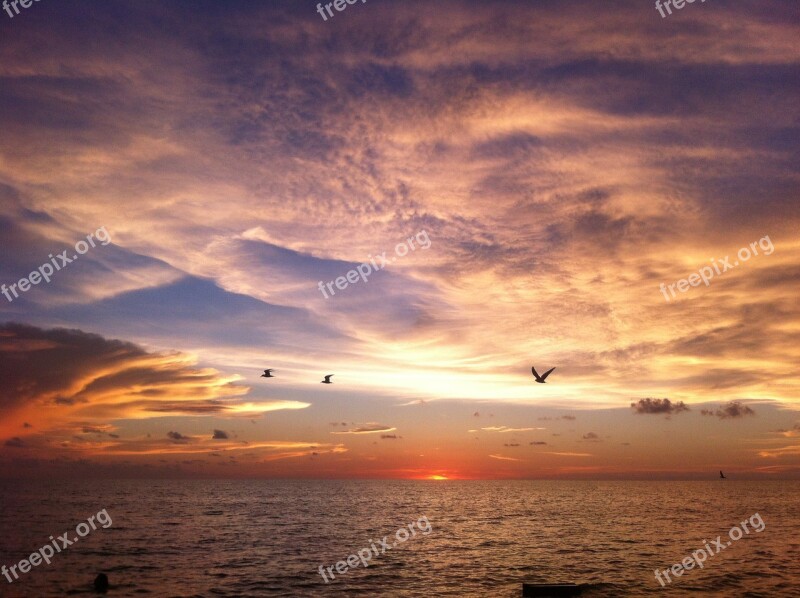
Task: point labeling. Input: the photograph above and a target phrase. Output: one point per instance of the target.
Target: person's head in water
(101, 583)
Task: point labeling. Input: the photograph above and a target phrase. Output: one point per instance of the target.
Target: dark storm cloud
(220, 435)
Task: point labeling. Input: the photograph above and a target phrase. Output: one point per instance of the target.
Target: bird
(541, 379)
(327, 379)
(722, 475)
(267, 374)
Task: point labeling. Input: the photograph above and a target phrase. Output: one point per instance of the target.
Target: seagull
(267, 374)
(541, 379)
(722, 475)
(327, 379)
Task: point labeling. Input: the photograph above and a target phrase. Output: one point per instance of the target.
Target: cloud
(26, 425)
(371, 428)
(505, 109)
(795, 431)
(568, 417)
(591, 436)
(571, 454)
(732, 410)
(501, 458)
(418, 402)
(220, 435)
(269, 450)
(15, 442)
(95, 428)
(537, 443)
(658, 406)
(513, 444)
(506, 429)
(178, 437)
(64, 374)
(780, 452)
(388, 436)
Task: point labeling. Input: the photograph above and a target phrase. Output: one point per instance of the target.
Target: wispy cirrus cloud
(501, 458)
(570, 454)
(371, 428)
(786, 451)
(506, 429)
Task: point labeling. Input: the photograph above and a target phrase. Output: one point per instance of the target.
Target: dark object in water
(101, 583)
(550, 590)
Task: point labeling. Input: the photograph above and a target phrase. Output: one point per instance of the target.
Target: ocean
(484, 538)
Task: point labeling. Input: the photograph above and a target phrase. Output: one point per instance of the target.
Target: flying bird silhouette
(267, 374)
(722, 475)
(541, 379)
(327, 379)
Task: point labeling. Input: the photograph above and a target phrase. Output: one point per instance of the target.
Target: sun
(437, 477)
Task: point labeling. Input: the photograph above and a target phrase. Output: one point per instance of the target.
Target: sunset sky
(562, 158)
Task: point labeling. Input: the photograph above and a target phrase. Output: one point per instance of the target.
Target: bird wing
(547, 373)
(535, 375)
(328, 377)
(267, 371)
